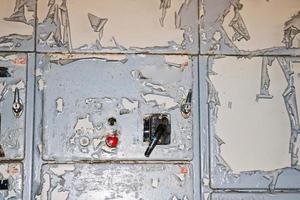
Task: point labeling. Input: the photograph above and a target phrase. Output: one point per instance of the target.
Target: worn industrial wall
(149, 99)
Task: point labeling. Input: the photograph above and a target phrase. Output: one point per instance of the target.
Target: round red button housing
(112, 141)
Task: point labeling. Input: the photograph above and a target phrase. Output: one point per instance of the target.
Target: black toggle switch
(157, 131)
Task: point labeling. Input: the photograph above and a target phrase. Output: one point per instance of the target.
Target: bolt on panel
(17, 25)
(116, 181)
(253, 122)
(13, 69)
(116, 107)
(243, 27)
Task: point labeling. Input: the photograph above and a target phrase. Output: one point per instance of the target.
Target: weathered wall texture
(149, 99)
(250, 139)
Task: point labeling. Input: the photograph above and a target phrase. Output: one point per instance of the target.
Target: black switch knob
(159, 132)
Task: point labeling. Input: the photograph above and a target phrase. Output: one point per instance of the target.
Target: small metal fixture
(17, 106)
(186, 108)
(157, 131)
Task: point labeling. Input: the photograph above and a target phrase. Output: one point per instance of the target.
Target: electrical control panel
(117, 108)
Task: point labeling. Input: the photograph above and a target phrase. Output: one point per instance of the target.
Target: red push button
(112, 141)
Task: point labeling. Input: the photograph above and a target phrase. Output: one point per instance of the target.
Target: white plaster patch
(255, 134)
(177, 61)
(40, 148)
(174, 198)
(155, 182)
(155, 86)
(205, 181)
(181, 177)
(129, 104)
(59, 105)
(62, 169)
(174, 74)
(45, 188)
(56, 194)
(41, 84)
(20, 85)
(84, 124)
(160, 100)
(206, 196)
(38, 72)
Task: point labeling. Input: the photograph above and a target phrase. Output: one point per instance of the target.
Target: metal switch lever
(17, 106)
(159, 132)
(186, 108)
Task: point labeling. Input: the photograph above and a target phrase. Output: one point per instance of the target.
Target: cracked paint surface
(249, 27)
(116, 181)
(17, 22)
(251, 135)
(164, 26)
(273, 115)
(12, 128)
(143, 85)
(13, 173)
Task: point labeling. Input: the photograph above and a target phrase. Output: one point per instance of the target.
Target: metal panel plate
(76, 106)
(12, 173)
(12, 127)
(118, 26)
(117, 181)
(242, 27)
(17, 22)
(253, 103)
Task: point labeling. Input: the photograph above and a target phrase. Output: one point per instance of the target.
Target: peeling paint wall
(133, 116)
(250, 139)
(160, 99)
(121, 181)
(17, 22)
(86, 113)
(111, 26)
(13, 89)
(15, 124)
